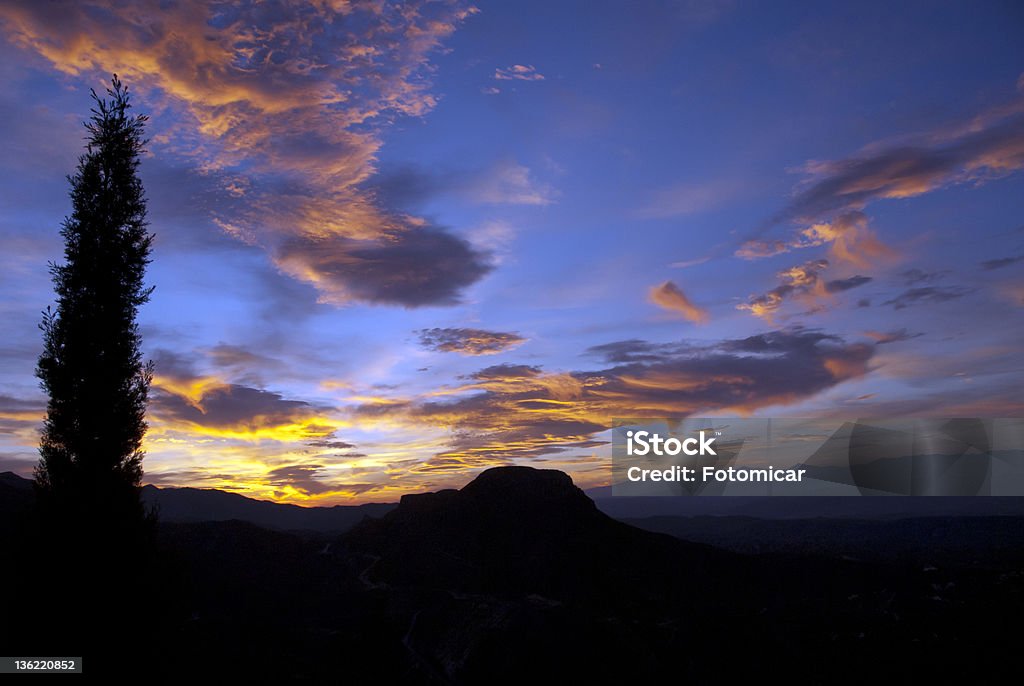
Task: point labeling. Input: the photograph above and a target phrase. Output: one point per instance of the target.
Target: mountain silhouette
(524, 530)
(16, 498)
(193, 505)
(209, 505)
(519, 576)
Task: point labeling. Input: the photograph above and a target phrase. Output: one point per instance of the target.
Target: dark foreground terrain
(518, 577)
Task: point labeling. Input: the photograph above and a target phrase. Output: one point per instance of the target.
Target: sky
(397, 244)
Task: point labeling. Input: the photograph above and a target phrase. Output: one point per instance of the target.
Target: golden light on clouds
(286, 110)
(670, 297)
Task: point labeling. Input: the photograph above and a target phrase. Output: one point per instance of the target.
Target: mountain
(519, 576)
(192, 505)
(523, 530)
(181, 505)
(208, 505)
(16, 498)
(14, 489)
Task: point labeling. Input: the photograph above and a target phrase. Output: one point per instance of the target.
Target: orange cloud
(670, 297)
(469, 341)
(990, 145)
(830, 201)
(849, 239)
(803, 282)
(20, 421)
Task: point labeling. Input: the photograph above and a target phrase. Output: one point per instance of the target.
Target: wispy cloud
(1000, 262)
(992, 145)
(797, 280)
(831, 199)
(840, 285)
(756, 249)
(927, 294)
(683, 264)
(916, 275)
(510, 183)
(469, 341)
(802, 281)
(848, 237)
(518, 72)
(505, 182)
(896, 336)
(669, 296)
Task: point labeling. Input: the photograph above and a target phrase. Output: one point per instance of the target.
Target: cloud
(510, 183)
(927, 294)
(241, 362)
(670, 297)
(1000, 262)
(186, 403)
(849, 240)
(330, 444)
(518, 72)
(831, 199)
(683, 264)
(490, 90)
(506, 371)
(284, 107)
(233, 410)
(505, 183)
(300, 477)
(896, 336)
(848, 237)
(527, 414)
(632, 350)
(802, 281)
(756, 249)
(306, 480)
(469, 341)
(428, 266)
(21, 419)
(991, 146)
(840, 285)
(12, 407)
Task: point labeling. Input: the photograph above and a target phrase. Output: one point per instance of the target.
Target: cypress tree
(91, 367)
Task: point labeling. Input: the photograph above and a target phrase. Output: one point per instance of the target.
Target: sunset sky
(399, 243)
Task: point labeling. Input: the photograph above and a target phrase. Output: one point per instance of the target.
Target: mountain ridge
(188, 504)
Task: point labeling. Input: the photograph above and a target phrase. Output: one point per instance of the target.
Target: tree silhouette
(91, 366)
